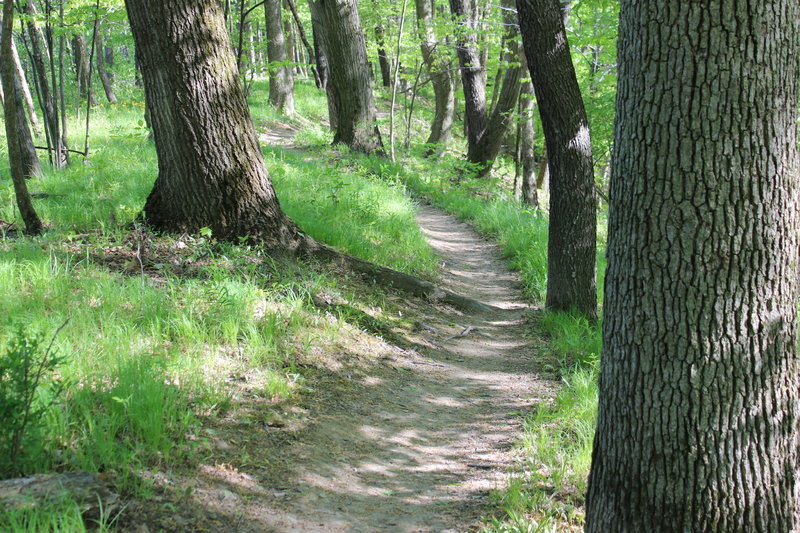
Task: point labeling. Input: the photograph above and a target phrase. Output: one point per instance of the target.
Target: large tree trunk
(281, 79)
(101, 69)
(440, 70)
(350, 78)
(210, 169)
(11, 106)
(700, 382)
(572, 232)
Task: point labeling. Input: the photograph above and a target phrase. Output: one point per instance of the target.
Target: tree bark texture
(281, 78)
(350, 77)
(105, 79)
(440, 69)
(700, 384)
(210, 169)
(11, 106)
(572, 232)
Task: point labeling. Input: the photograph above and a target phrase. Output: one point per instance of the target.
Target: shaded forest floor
(406, 431)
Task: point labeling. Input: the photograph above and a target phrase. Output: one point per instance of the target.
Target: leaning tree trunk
(11, 106)
(440, 70)
(25, 87)
(281, 79)
(572, 233)
(700, 378)
(350, 78)
(101, 69)
(210, 169)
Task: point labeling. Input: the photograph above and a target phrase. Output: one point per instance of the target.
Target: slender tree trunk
(383, 57)
(47, 102)
(527, 154)
(350, 78)
(395, 80)
(210, 169)
(321, 57)
(101, 70)
(281, 79)
(440, 70)
(109, 59)
(700, 379)
(11, 106)
(572, 231)
(26, 90)
(302, 33)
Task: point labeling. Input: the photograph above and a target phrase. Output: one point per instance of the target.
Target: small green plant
(24, 366)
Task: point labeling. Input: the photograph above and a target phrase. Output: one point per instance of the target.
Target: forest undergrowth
(163, 333)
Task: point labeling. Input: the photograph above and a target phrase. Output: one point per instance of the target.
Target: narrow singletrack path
(413, 443)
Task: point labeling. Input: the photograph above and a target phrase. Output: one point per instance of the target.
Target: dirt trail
(418, 443)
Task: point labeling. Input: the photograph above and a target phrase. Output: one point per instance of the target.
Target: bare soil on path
(416, 443)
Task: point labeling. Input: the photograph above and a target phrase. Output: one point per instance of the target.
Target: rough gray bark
(350, 77)
(281, 78)
(210, 169)
(440, 69)
(11, 106)
(700, 382)
(473, 74)
(105, 79)
(572, 230)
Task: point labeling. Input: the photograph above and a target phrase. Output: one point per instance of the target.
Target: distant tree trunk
(11, 106)
(485, 135)
(699, 404)
(210, 169)
(26, 90)
(350, 78)
(383, 57)
(47, 101)
(281, 79)
(572, 233)
(82, 67)
(304, 38)
(321, 57)
(109, 59)
(473, 74)
(530, 194)
(101, 70)
(440, 69)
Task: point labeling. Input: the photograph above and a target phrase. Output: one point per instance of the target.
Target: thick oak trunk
(350, 77)
(572, 232)
(210, 169)
(281, 78)
(440, 69)
(700, 382)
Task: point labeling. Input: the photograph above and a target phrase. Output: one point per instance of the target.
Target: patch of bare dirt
(411, 443)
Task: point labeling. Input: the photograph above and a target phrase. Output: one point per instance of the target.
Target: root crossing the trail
(416, 444)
